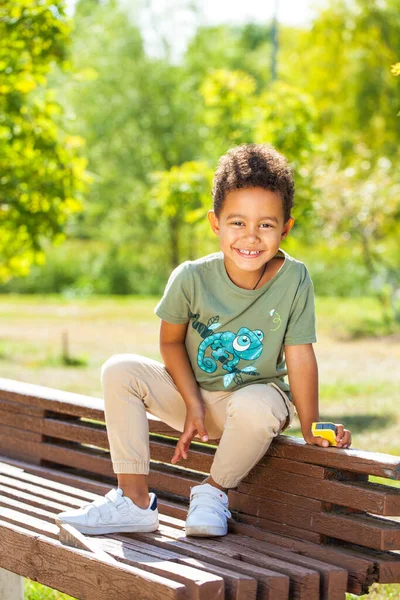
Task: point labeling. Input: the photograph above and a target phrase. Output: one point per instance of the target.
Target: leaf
(228, 379)
(212, 320)
(214, 326)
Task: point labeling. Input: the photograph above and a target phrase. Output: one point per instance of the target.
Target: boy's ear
(287, 227)
(213, 219)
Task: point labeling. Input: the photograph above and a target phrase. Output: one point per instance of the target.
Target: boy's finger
(319, 441)
(201, 430)
(339, 432)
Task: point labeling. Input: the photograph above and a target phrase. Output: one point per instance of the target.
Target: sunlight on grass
(35, 591)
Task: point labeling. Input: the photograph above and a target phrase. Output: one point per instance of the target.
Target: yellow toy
(326, 431)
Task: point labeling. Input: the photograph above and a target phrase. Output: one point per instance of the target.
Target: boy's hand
(194, 424)
(343, 438)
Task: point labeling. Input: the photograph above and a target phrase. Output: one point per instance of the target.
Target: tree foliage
(42, 178)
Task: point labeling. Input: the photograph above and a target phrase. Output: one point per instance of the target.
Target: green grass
(35, 591)
(359, 378)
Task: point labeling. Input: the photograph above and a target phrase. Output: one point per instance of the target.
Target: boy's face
(251, 220)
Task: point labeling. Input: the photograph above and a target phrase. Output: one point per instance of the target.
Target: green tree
(341, 62)
(181, 196)
(235, 112)
(42, 177)
(359, 208)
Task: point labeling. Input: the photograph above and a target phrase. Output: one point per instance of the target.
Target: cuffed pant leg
(254, 415)
(132, 385)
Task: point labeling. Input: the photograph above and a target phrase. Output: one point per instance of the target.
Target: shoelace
(202, 499)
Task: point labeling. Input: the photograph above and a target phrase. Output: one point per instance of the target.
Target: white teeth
(249, 251)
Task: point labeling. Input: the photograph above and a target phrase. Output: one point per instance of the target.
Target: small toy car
(325, 430)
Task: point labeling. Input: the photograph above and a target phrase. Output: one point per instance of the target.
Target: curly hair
(250, 166)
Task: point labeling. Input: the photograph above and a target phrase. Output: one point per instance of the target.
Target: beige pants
(245, 420)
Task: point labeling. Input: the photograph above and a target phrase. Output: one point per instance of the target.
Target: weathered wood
(362, 570)
(70, 536)
(358, 461)
(275, 509)
(199, 585)
(278, 527)
(368, 497)
(304, 583)
(333, 578)
(25, 409)
(271, 585)
(237, 585)
(365, 530)
(78, 573)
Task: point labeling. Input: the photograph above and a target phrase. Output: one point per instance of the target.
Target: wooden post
(11, 586)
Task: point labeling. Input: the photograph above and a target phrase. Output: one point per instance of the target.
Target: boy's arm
(176, 361)
(303, 379)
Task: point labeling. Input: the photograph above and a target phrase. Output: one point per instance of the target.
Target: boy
(233, 324)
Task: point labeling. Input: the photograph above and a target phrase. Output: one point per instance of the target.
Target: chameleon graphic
(206, 332)
(233, 347)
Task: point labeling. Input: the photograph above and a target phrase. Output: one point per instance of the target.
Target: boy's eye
(237, 223)
(265, 225)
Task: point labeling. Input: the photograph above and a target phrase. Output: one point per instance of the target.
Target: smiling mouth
(249, 253)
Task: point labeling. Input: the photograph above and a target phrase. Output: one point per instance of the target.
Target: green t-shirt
(236, 337)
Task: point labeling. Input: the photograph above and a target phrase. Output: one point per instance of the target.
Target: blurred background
(113, 114)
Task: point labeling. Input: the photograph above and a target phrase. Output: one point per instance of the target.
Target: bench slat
(237, 585)
(368, 497)
(304, 582)
(271, 585)
(365, 530)
(74, 572)
(364, 568)
(358, 461)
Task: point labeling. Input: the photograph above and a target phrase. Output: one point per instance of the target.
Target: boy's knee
(257, 413)
(117, 367)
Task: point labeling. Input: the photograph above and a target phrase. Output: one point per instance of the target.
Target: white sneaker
(208, 512)
(111, 514)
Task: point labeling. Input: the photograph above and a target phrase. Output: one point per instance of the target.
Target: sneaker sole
(105, 530)
(205, 531)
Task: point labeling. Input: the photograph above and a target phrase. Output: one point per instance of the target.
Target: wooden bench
(307, 523)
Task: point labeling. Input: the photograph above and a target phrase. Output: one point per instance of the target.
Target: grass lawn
(359, 378)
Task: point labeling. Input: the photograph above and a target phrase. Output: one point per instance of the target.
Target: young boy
(233, 325)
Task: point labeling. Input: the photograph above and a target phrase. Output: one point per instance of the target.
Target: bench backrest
(308, 493)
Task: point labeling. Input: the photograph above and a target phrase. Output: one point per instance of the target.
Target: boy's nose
(252, 237)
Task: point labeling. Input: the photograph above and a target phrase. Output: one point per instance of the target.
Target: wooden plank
(199, 585)
(26, 473)
(367, 497)
(38, 501)
(25, 409)
(361, 570)
(13, 448)
(51, 399)
(387, 564)
(304, 582)
(364, 530)
(270, 585)
(27, 509)
(237, 585)
(275, 508)
(277, 527)
(274, 496)
(10, 482)
(77, 572)
(69, 536)
(358, 461)
(20, 435)
(333, 578)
